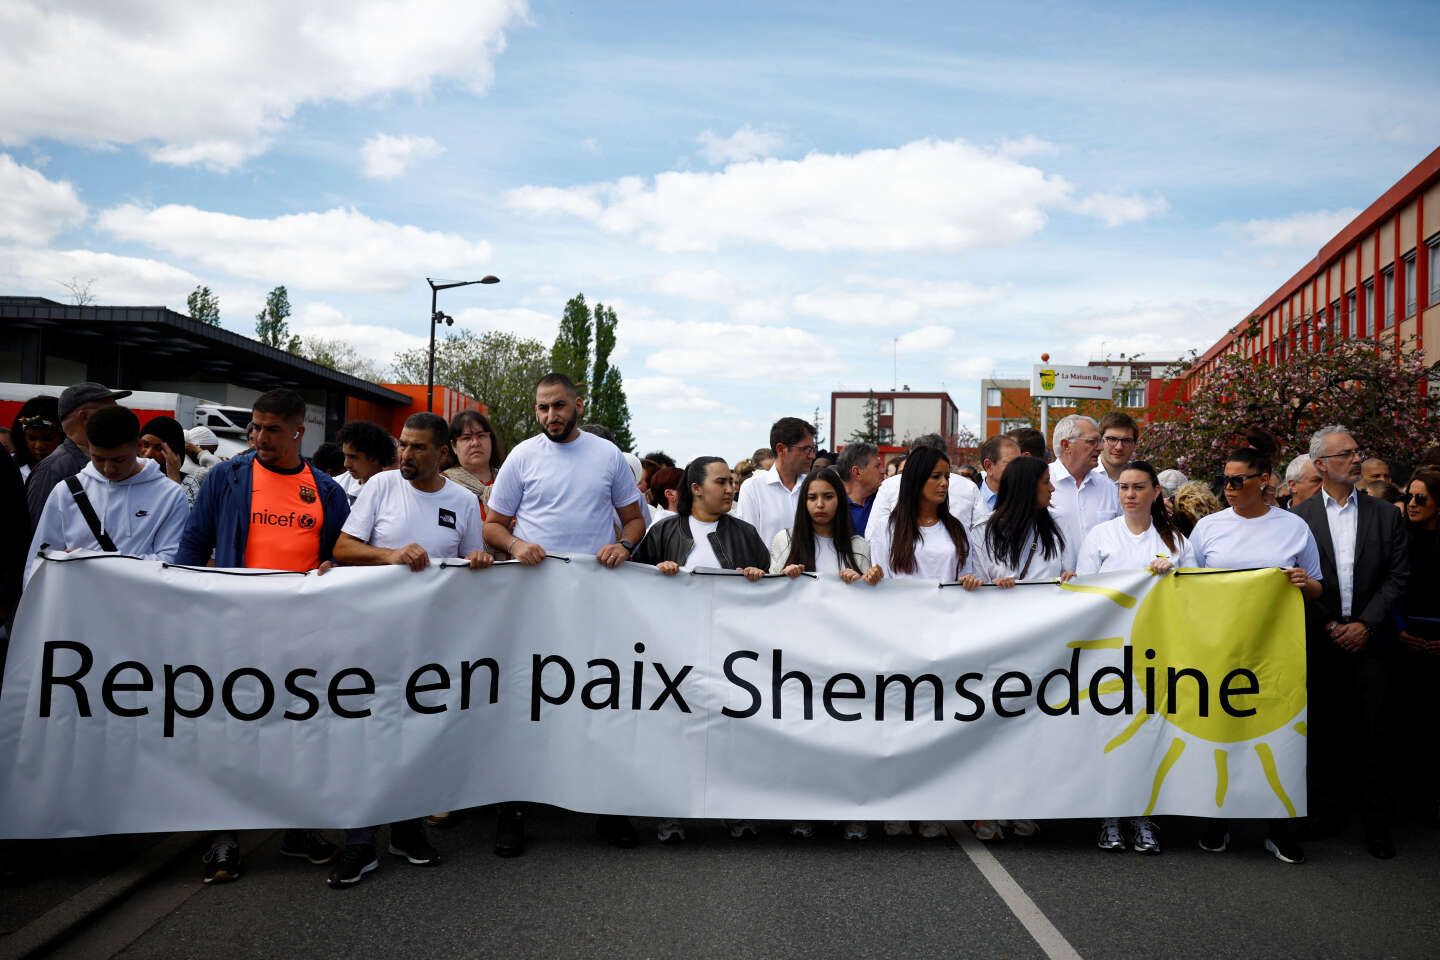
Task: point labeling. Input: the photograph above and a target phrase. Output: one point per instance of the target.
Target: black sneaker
(222, 863)
(355, 861)
(1215, 838)
(409, 841)
(308, 845)
(617, 831)
(509, 831)
(1284, 848)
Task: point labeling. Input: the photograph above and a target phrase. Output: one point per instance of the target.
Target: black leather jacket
(735, 542)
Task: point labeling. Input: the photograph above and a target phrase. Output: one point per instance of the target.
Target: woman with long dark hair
(1418, 659)
(1021, 539)
(922, 538)
(1141, 538)
(822, 540)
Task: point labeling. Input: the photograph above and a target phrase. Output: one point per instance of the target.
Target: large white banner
(141, 698)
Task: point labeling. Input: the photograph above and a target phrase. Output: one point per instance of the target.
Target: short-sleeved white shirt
(563, 496)
(1111, 546)
(391, 513)
(1276, 538)
(703, 553)
(960, 495)
(934, 555)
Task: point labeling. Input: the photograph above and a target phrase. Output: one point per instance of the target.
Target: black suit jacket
(1382, 567)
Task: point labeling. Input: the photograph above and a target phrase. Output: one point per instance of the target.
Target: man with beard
(407, 517)
(562, 492)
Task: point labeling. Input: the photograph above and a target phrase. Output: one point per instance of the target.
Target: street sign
(1078, 383)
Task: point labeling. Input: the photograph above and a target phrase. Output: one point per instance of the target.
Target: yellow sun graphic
(1201, 628)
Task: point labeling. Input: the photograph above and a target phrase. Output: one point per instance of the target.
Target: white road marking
(1051, 940)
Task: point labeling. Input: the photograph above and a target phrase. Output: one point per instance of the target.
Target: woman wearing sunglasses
(1253, 534)
(1141, 538)
(1419, 658)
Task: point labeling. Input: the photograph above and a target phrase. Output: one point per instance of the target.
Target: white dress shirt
(984, 503)
(1084, 506)
(766, 505)
(1342, 518)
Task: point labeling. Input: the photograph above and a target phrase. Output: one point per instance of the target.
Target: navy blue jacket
(220, 519)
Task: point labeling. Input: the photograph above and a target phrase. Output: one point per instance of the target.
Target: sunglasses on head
(1419, 499)
(1238, 481)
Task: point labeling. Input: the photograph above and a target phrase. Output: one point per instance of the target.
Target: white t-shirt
(961, 496)
(390, 513)
(1276, 538)
(990, 568)
(934, 554)
(563, 496)
(1111, 546)
(350, 485)
(703, 555)
(657, 514)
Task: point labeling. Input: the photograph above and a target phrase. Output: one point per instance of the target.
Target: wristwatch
(629, 547)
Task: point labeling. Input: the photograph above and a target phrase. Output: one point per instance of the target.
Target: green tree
(339, 355)
(1373, 389)
(204, 306)
(498, 369)
(607, 403)
(570, 354)
(869, 430)
(272, 323)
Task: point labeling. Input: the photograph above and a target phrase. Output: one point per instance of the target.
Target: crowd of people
(1361, 550)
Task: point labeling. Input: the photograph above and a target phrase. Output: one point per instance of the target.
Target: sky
(779, 200)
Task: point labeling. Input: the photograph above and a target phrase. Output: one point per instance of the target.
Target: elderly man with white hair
(1303, 478)
(1084, 497)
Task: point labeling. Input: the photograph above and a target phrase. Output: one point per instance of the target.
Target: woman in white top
(1021, 539)
(822, 522)
(1141, 538)
(924, 540)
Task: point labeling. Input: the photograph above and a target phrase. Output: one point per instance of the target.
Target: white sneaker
(1110, 836)
(988, 830)
(897, 828)
(1024, 828)
(742, 829)
(1146, 836)
(670, 831)
(932, 829)
(802, 830)
(857, 830)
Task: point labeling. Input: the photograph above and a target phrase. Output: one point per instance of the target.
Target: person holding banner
(562, 491)
(921, 538)
(1251, 534)
(702, 533)
(1142, 537)
(822, 540)
(407, 517)
(267, 509)
(961, 496)
(1023, 539)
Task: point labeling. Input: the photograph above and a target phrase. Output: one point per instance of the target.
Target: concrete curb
(60, 921)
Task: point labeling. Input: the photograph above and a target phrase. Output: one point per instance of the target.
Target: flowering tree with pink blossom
(1376, 390)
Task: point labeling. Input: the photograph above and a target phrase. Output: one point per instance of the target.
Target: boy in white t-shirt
(407, 516)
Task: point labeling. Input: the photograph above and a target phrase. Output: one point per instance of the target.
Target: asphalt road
(573, 896)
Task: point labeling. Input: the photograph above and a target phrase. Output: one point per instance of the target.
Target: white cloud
(339, 249)
(212, 82)
(670, 394)
(386, 157)
(925, 339)
(521, 321)
(33, 208)
(729, 351)
(1026, 146)
(1116, 209)
(759, 311)
(1310, 230)
(744, 144)
(124, 281)
(709, 285)
(968, 368)
(925, 195)
(375, 343)
(857, 308)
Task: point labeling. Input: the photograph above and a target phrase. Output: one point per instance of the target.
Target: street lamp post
(436, 318)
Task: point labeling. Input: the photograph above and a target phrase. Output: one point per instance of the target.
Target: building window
(1434, 270)
(1412, 280)
(887, 435)
(1350, 311)
(1368, 323)
(887, 407)
(1007, 425)
(992, 397)
(1130, 397)
(1388, 310)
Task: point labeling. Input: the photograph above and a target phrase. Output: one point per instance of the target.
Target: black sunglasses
(1419, 499)
(1238, 481)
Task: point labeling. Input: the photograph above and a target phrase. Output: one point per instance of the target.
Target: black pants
(1351, 758)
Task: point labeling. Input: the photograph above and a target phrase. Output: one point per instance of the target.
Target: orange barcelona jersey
(286, 517)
